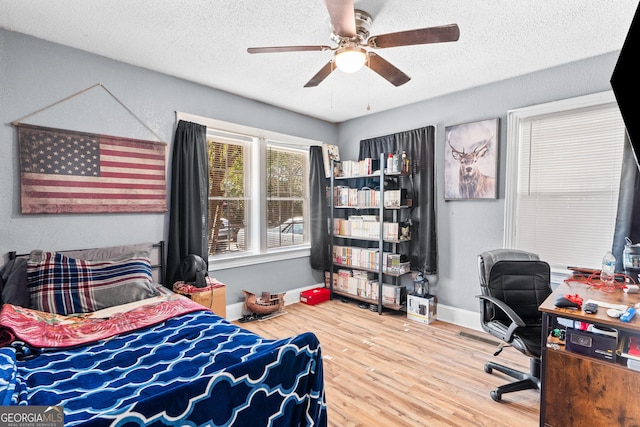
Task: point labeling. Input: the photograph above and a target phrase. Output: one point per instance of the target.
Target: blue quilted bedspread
(196, 369)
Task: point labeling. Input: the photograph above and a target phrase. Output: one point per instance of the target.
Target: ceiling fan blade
(342, 17)
(443, 33)
(386, 70)
(320, 75)
(276, 49)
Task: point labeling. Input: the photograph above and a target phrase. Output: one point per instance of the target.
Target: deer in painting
(472, 183)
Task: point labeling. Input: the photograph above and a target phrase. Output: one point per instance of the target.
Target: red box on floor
(315, 296)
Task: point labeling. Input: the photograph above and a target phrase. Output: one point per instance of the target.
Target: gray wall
(467, 228)
(35, 74)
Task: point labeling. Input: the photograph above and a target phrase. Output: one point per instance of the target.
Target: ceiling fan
(351, 33)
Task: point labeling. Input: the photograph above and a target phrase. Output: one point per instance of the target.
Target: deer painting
(472, 183)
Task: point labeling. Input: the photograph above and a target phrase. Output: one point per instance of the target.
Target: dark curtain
(320, 259)
(189, 194)
(628, 216)
(419, 145)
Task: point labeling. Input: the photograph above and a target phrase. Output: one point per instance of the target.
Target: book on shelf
(345, 196)
(356, 168)
(395, 198)
(362, 284)
(367, 226)
(329, 152)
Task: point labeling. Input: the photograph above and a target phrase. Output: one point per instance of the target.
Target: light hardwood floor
(385, 370)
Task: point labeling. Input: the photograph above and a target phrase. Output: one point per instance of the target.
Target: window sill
(252, 259)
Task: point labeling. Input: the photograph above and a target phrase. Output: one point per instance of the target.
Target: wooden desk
(578, 390)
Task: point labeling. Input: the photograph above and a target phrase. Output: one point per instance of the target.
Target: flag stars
(52, 153)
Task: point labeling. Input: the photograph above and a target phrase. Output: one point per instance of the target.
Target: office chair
(514, 284)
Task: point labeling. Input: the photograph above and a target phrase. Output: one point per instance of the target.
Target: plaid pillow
(64, 285)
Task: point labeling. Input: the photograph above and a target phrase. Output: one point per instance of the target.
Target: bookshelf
(368, 225)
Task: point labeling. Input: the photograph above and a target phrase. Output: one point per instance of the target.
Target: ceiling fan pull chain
(368, 85)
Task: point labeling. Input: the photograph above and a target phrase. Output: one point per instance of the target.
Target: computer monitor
(625, 82)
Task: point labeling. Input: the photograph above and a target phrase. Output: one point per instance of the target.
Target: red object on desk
(315, 296)
(575, 298)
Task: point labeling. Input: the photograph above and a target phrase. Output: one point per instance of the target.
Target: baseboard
(449, 314)
(459, 317)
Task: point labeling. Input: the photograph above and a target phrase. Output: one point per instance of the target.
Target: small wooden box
(213, 297)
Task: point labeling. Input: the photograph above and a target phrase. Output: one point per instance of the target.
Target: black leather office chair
(514, 284)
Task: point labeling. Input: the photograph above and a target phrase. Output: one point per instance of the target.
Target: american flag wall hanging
(63, 171)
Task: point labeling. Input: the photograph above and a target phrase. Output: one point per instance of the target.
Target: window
(563, 174)
(287, 198)
(258, 194)
(229, 207)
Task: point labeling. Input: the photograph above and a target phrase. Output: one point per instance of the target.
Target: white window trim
(233, 261)
(247, 130)
(514, 118)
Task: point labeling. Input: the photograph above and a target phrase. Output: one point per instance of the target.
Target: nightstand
(213, 296)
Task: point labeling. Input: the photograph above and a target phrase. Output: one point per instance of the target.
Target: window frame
(257, 178)
(514, 119)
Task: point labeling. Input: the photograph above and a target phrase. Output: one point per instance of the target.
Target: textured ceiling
(205, 41)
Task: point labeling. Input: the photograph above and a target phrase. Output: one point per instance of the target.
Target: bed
(154, 358)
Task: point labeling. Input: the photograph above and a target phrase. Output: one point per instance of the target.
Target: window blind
(229, 207)
(568, 182)
(287, 195)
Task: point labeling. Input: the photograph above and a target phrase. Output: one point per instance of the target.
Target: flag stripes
(74, 172)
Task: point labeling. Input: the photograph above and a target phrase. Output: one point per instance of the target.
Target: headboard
(157, 256)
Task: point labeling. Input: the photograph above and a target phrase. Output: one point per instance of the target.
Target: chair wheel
(496, 395)
(488, 369)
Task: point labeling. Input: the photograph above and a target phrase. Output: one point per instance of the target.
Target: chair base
(526, 381)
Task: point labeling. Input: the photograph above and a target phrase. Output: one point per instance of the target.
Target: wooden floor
(385, 370)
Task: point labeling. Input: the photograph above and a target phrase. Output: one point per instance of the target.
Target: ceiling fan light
(350, 59)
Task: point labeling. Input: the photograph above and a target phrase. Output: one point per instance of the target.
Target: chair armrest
(516, 321)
